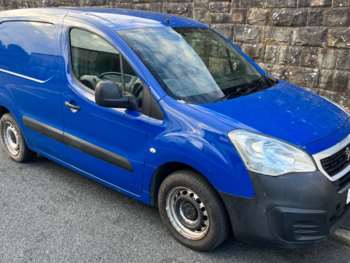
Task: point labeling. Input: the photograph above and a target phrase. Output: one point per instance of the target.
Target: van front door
(107, 144)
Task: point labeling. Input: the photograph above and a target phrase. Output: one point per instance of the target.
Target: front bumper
(289, 211)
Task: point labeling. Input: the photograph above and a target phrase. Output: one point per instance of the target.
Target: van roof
(112, 17)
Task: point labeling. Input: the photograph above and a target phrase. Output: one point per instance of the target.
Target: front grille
(337, 162)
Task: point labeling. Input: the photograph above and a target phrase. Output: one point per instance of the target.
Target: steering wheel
(134, 86)
(104, 74)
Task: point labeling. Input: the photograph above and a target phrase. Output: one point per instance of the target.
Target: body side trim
(78, 143)
(23, 76)
(44, 129)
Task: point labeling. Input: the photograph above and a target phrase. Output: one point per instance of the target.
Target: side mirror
(108, 94)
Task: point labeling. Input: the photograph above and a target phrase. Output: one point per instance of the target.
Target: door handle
(71, 106)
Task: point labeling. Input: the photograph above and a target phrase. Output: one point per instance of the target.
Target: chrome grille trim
(329, 152)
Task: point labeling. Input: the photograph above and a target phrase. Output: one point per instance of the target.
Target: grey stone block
(340, 81)
(271, 54)
(220, 7)
(239, 15)
(252, 3)
(220, 18)
(281, 3)
(185, 9)
(289, 17)
(304, 3)
(311, 57)
(329, 58)
(290, 55)
(248, 34)
(343, 60)
(337, 17)
(310, 36)
(258, 16)
(339, 37)
(202, 15)
(316, 16)
(326, 79)
(305, 77)
(278, 35)
(341, 3)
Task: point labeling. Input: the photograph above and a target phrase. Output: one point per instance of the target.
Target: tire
(13, 140)
(187, 202)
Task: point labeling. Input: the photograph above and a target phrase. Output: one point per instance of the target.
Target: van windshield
(195, 65)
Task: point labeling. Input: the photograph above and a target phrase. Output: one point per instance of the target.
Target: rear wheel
(13, 141)
(192, 211)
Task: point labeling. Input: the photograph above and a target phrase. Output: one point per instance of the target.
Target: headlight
(269, 156)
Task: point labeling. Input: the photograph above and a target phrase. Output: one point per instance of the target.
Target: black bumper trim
(288, 211)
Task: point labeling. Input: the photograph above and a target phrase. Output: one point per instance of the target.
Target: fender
(218, 163)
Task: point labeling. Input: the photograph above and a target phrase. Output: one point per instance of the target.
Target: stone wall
(304, 41)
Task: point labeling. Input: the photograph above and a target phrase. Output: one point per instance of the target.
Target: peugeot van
(171, 113)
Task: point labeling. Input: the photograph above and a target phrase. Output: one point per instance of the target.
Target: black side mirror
(108, 94)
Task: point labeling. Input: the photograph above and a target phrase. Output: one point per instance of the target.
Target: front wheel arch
(165, 170)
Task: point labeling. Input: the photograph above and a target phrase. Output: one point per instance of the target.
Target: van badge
(347, 153)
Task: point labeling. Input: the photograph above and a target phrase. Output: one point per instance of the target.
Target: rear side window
(29, 48)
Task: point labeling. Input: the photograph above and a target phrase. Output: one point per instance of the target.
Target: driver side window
(94, 59)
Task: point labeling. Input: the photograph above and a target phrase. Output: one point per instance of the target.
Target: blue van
(171, 113)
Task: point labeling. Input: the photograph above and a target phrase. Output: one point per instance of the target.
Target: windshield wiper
(250, 87)
(239, 91)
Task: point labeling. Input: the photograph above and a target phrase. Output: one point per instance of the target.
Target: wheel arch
(161, 173)
(3, 110)
(167, 169)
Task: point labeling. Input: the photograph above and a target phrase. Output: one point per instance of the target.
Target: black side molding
(78, 143)
(43, 129)
(97, 151)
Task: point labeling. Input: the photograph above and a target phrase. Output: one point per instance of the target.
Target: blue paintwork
(285, 112)
(38, 93)
(195, 135)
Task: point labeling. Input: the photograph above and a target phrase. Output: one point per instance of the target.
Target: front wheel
(192, 211)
